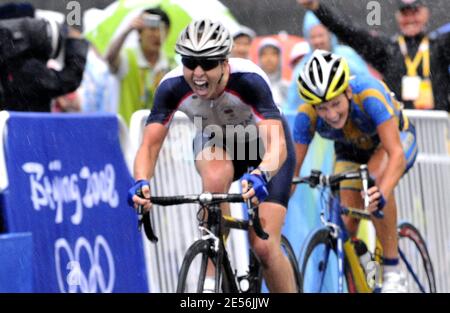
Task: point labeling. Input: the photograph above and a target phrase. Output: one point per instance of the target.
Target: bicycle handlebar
(204, 199)
(318, 179)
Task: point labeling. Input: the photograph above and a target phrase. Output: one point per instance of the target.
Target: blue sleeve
(303, 129)
(377, 102)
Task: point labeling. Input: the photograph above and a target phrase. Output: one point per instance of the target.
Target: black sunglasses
(205, 64)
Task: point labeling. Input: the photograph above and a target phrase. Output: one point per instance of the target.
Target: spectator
(299, 50)
(414, 64)
(242, 41)
(27, 84)
(99, 90)
(319, 37)
(270, 60)
(140, 69)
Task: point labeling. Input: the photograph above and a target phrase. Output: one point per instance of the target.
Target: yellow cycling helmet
(323, 77)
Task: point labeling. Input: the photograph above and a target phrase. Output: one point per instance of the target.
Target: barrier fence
(422, 197)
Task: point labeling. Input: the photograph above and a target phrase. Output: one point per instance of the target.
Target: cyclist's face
(412, 21)
(335, 112)
(207, 83)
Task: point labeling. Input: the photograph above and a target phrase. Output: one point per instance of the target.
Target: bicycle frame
(216, 222)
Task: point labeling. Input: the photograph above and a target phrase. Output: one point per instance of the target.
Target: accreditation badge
(425, 99)
(410, 87)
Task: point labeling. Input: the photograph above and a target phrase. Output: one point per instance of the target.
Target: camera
(30, 37)
(151, 20)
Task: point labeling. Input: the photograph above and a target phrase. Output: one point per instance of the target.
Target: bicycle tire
(419, 270)
(292, 260)
(202, 248)
(314, 260)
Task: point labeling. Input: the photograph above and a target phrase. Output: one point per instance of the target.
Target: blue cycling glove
(136, 190)
(259, 184)
(381, 203)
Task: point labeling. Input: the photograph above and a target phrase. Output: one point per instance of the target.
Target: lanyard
(423, 54)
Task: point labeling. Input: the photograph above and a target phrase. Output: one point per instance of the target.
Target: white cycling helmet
(323, 77)
(204, 39)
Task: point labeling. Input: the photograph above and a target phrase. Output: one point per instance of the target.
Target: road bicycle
(212, 245)
(329, 258)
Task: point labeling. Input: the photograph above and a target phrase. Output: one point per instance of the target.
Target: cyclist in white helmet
(223, 94)
(367, 125)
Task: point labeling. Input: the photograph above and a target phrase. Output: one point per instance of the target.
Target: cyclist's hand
(258, 191)
(309, 4)
(376, 200)
(139, 194)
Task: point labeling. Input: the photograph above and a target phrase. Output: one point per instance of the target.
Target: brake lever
(144, 219)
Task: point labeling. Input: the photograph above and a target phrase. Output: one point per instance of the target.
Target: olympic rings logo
(94, 279)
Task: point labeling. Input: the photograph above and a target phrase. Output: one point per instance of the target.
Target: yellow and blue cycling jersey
(372, 104)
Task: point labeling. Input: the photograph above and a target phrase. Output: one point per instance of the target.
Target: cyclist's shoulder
(306, 114)
(243, 71)
(363, 82)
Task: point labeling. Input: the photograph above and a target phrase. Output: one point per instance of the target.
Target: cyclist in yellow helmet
(366, 123)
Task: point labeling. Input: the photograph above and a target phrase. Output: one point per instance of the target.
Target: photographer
(140, 68)
(26, 44)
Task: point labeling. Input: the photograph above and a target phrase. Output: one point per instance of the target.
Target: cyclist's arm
(390, 141)
(145, 162)
(272, 134)
(300, 153)
(303, 133)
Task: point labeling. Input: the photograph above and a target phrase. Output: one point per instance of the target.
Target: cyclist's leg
(277, 270)
(387, 227)
(349, 194)
(216, 170)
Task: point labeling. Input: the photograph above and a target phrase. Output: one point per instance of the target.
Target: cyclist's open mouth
(201, 87)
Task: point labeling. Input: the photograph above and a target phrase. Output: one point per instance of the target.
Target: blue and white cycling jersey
(246, 100)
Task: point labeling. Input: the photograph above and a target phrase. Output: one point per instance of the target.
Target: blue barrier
(67, 186)
(16, 271)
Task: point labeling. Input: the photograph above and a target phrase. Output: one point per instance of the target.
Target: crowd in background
(415, 63)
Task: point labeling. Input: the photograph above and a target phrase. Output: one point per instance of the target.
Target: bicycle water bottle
(364, 255)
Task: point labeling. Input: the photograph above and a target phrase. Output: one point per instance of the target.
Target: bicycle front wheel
(318, 261)
(191, 278)
(415, 260)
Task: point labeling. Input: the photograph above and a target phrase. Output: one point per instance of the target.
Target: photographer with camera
(140, 68)
(26, 44)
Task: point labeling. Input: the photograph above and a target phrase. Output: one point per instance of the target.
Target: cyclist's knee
(217, 179)
(266, 250)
